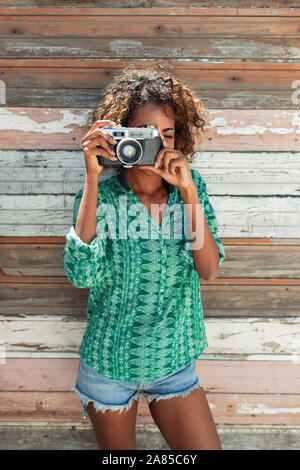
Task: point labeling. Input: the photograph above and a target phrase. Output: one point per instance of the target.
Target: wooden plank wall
(243, 63)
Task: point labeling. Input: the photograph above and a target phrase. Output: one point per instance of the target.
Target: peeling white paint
(227, 127)
(248, 408)
(218, 121)
(124, 44)
(252, 130)
(296, 121)
(273, 357)
(295, 359)
(65, 124)
(58, 333)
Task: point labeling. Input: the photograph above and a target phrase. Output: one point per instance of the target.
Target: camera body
(135, 146)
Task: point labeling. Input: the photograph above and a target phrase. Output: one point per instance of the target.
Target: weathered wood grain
(34, 191)
(146, 25)
(77, 436)
(226, 130)
(225, 173)
(226, 408)
(46, 35)
(274, 262)
(218, 376)
(79, 83)
(156, 7)
(112, 66)
(287, 358)
(265, 241)
(223, 299)
(258, 48)
(222, 98)
(51, 215)
(55, 333)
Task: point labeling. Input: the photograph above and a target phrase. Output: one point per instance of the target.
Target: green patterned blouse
(144, 312)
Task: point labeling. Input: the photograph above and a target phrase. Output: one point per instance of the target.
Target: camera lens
(129, 151)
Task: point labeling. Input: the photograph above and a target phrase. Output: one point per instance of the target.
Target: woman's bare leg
(186, 422)
(114, 430)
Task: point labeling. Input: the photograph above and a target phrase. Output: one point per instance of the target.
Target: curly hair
(134, 87)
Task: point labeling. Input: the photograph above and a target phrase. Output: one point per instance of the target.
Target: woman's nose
(162, 136)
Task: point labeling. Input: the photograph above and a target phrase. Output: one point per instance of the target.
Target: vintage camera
(135, 146)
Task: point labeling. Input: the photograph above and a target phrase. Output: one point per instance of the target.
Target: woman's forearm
(206, 258)
(86, 221)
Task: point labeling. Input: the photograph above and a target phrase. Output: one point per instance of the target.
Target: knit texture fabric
(144, 312)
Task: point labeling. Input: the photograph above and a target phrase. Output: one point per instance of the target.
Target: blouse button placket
(162, 282)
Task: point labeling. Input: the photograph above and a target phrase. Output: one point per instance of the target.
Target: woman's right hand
(90, 141)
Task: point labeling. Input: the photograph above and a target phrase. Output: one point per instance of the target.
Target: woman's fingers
(97, 133)
(177, 163)
(89, 144)
(164, 157)
(93, 152)
(161, 155)
(101, 123)
(166, 161)
(101, 141)
(96, 127)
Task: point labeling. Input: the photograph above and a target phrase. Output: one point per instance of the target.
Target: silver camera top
(148, 132)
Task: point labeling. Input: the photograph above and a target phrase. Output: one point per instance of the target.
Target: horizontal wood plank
(54, 333)
(80, 83)
(78, 436)
(219, 299)
(211, 98)
(218, 376)
(226, 408)
(240, 241)
(226, 130)
(40, 354)
(225, 173)
(248, 216)
(153, 7)
(177, 66)
(273, 262)
(49, 26)
(256, 48)
(102, 26)
(224, 281)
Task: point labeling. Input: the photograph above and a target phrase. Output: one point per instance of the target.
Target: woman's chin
(145, 170)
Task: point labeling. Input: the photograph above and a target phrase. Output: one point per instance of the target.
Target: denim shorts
(109, 394)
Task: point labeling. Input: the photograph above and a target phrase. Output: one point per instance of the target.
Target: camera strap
(122, 178)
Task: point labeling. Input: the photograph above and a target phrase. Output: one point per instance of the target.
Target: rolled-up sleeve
(209, 213)
(84, 263)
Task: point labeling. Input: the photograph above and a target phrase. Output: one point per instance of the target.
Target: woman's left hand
(172, 166)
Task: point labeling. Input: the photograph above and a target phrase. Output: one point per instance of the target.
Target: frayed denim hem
(100, 406)
(149, 397)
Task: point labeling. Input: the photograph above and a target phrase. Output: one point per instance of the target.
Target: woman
(145, 323)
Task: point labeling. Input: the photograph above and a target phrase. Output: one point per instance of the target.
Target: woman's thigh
(111, 406)
(180, 409)
(186, 422)
(114, 430)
